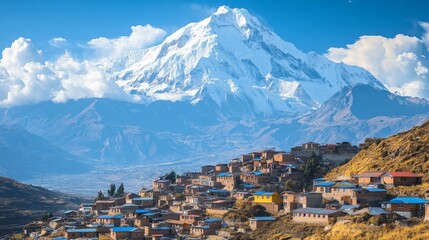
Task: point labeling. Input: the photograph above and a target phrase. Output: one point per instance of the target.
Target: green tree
(100, 196)
(311, 166)
(111, 191)
(171, 176)
(120, 191)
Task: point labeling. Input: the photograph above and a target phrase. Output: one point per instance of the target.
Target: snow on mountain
(231, 54)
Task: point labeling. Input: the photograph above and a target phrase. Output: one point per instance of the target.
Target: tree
(120, 191)
(171, 176)
(46, 217)
(310, 166)
(100, 196)
(112, 190)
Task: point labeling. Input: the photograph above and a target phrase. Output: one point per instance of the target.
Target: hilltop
(21, 203)
(406, 151)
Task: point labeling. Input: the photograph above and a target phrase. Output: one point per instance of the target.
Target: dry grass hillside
(407, 151)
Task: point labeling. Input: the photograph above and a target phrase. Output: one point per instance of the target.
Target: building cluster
(193, 204)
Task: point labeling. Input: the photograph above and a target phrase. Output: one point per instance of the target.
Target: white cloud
(397, 62)
(141, 37)
(58, 42)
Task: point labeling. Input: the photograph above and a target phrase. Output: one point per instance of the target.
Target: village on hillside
(251, 192)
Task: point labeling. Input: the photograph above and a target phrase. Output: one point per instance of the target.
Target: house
(206, 169)
(368, 178)
(258, 222)
(284, 158)
(270, 200)
(218, 192)
(103, 205)
(181, 227)
(323, 186)
(234, 166)
(157, 231)
(221, 167)
(406, 206)
(123, 209)
(201, 231)
(114, 220)
(145, 202)
(81, 233)
(228, 180)
(341, 191)
(293, 200)
(161, 185)
(256, 178)
(369, 196)
(126, 233)
(215, 223)
(401, 179)
(319, 216)
(241, 195)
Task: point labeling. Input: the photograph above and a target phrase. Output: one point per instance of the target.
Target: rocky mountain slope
(406, 151)
(21, 203)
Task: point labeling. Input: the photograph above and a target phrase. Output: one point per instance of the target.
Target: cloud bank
(27, 77)
(399, 63)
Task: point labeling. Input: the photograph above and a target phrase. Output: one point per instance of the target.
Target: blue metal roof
(212, 219)
(224, 175)
(142, 199)
(82, 230)
(124, 229)
(263, 218)
(349, 206)
(140, 211)
(263, 193)
(161, 228)
(257, 173)
(319, 179)
(323, 211)
(218, 191)
(407, 200)
(109, 217)
(375, 189)
(324, 184)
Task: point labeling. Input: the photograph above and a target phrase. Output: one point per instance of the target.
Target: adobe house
(108, 219)
(201, 231)
(145, 202)
(284, 158)
(241, 195)
(234, 166)
(323, 186)
(126, 233)
(157, 231)
(103, 205)
(319, 216)
(293, 200)
(406, 206)
(161, 185)
(81, 233)
(369, 196)
(258, 222)
(228, 180)
(218, 192)
(401, 179)
(221, 167)
(123, 209)
(181, 227)
(368, 178)
(256, 178)
(215, 223)
(206, 169)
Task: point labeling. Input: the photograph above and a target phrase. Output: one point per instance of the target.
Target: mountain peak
(233, 16)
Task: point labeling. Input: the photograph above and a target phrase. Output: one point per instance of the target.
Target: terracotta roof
(403, 174)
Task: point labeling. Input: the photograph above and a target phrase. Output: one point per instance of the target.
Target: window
(400, 205)
(304, 214)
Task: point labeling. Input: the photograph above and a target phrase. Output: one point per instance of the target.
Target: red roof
(403, 174)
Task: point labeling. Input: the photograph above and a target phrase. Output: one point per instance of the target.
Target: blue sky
(55, 50)
(310, 25)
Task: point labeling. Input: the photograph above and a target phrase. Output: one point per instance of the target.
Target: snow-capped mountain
(231, 55)
(210, 91)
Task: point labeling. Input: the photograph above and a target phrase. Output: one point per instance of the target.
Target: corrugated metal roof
(407, 200)
(269, 218)
(124, 229)
(82, 230)
(316, 211)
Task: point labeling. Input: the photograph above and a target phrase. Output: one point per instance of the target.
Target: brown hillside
(407, 151)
